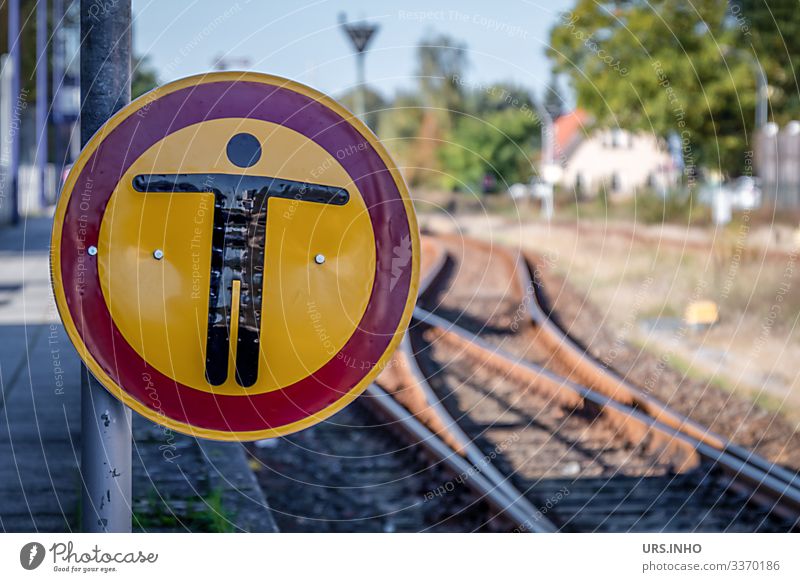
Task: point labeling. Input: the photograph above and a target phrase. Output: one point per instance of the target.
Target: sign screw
(158, 254)
(92, 250)
(319, 259)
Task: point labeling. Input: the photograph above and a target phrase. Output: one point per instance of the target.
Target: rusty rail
(768, 483)
(468, 461)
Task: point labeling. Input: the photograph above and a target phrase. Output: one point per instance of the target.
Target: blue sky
(302, 40)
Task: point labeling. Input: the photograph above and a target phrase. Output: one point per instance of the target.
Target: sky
(303, 41)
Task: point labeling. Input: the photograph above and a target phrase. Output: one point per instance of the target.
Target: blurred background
(650, 150)
(678, 120)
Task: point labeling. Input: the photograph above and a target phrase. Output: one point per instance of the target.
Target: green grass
(203, 514)
(685, 367)
(647, 206)
(766, 401)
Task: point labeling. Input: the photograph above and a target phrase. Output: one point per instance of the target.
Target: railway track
(442, 437)
(633, 458)
(539, 450)
(350, 473)
(353, 473)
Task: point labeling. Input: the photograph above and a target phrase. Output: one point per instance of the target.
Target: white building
(615, 159)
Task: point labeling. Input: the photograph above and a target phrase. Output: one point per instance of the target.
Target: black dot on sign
(243, 150)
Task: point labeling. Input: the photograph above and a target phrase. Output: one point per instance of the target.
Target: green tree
(373, 102)
(496, 135)
(144, 76)
(400, 125)
(663, 67)
(770, 31)
(442, 62)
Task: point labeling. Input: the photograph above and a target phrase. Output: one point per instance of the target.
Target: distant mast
(360, 35)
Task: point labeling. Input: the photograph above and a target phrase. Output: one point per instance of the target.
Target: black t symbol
(237, 248)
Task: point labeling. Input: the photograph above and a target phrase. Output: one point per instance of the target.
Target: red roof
(569, 129)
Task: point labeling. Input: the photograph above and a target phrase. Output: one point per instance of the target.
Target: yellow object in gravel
(701, 313)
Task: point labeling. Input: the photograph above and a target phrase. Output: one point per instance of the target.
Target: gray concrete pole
(16, 111)
(361, 97)
(105, 421)
(57, 80)
(762, 95)
(42, 108)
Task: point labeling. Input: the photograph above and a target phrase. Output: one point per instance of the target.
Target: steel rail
(480, 475)
(618, 385)
(765, 483)
(769, 483)
(458, 465)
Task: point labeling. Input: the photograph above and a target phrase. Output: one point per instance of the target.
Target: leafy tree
(374, 103)
(663, 67)
(429, 114)
(495, 136)
(143, 77)
(399, 127)
(770, 31)
(442, 62)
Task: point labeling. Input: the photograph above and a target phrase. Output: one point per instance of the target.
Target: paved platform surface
(179, 483)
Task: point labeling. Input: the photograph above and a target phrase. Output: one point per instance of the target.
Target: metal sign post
(105, 421)
(360, 35)
(41, 100)
(13, 154)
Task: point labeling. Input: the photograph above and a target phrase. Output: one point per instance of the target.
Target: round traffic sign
(235, 256)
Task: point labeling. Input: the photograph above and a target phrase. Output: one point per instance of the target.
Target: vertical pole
(57, 80)
(41, 99)
(16, 113)
(548, 159)
(105, 421)
(762, 93)
(361, 101)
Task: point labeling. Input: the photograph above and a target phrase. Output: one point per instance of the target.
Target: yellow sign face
(235, 256)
